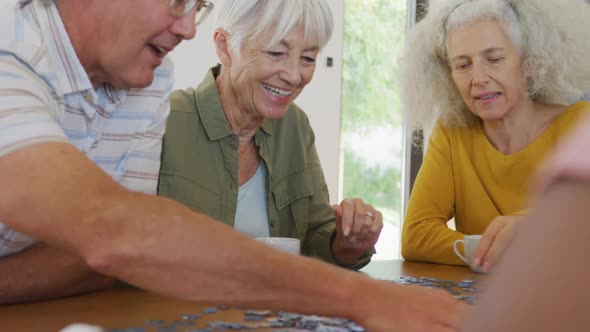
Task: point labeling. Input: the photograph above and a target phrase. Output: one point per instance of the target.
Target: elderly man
(64, 85)
(83, 102)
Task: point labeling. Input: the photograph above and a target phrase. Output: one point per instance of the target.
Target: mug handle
(457, 251)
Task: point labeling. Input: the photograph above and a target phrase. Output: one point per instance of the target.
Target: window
(372, 122)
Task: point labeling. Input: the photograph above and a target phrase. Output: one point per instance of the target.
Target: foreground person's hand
(411, 309)
(494, 241)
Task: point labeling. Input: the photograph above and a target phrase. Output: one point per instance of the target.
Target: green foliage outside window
(374, 32)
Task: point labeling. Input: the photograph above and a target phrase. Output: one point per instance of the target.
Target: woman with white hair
(495, 78)
(238, 149)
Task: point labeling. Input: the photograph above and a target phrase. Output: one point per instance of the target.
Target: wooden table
(126, 307)
(397, 268)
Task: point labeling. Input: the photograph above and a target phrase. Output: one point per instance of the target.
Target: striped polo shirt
(46, 96)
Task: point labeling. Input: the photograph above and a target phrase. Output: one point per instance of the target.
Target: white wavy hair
(247, 20)
(551, 35)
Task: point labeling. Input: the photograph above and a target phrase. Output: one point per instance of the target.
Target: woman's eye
(274, 54)
(462, 66)
(308, 59)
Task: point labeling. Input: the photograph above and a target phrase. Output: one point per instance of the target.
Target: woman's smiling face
(267, 79)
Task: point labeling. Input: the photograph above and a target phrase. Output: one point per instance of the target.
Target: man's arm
(152, 242)
(541, 283)
(53, 193)
(41, 272)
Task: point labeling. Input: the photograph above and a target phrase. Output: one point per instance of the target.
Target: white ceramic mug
(470, 243)
(286, 244)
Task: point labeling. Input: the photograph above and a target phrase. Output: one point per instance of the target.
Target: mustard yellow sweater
(465, 177)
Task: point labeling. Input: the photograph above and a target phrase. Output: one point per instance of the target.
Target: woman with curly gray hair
(496, 79)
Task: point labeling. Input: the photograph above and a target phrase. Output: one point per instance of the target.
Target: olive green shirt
(200, 168)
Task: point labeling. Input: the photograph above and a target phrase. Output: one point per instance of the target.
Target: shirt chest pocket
(292, 201)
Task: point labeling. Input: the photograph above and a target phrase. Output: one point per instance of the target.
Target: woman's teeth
(488, 96)
(275, 91)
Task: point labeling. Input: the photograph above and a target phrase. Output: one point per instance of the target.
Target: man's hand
(358, 226)
(413, 309)
(495, 240)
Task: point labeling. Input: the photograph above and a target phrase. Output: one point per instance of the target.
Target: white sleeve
(27, 108)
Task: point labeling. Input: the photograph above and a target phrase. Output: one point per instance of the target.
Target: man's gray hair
(551, 35)
(246, 21)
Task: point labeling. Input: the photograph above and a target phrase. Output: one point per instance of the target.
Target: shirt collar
(71, 76)
(211, 111)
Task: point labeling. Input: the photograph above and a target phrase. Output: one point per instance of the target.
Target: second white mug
(470, 243)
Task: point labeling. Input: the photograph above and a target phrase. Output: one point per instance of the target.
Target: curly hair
(551, 35)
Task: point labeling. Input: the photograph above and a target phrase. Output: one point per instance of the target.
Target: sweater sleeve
(425, 235)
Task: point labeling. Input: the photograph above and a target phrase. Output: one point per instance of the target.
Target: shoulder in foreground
(182, 100)
(570, 116)
(575, 111)
(581, 106)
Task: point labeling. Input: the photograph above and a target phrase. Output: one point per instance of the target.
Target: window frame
(412, 153)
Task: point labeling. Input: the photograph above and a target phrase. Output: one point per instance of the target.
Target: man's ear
(220, 38)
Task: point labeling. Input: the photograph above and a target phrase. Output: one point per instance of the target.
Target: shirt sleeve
(425, 235)
(27, 108)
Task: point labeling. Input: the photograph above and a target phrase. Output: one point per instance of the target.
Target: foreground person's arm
(540, 284)
(157, 244)
(41, 272)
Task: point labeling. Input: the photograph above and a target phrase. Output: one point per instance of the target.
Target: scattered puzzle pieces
(464, 290)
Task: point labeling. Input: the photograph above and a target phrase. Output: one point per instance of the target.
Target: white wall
(321, 99)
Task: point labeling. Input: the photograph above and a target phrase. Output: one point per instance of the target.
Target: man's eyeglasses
(183, 7)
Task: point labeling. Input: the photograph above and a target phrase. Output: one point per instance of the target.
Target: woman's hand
(495, 240)
(358, 226)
